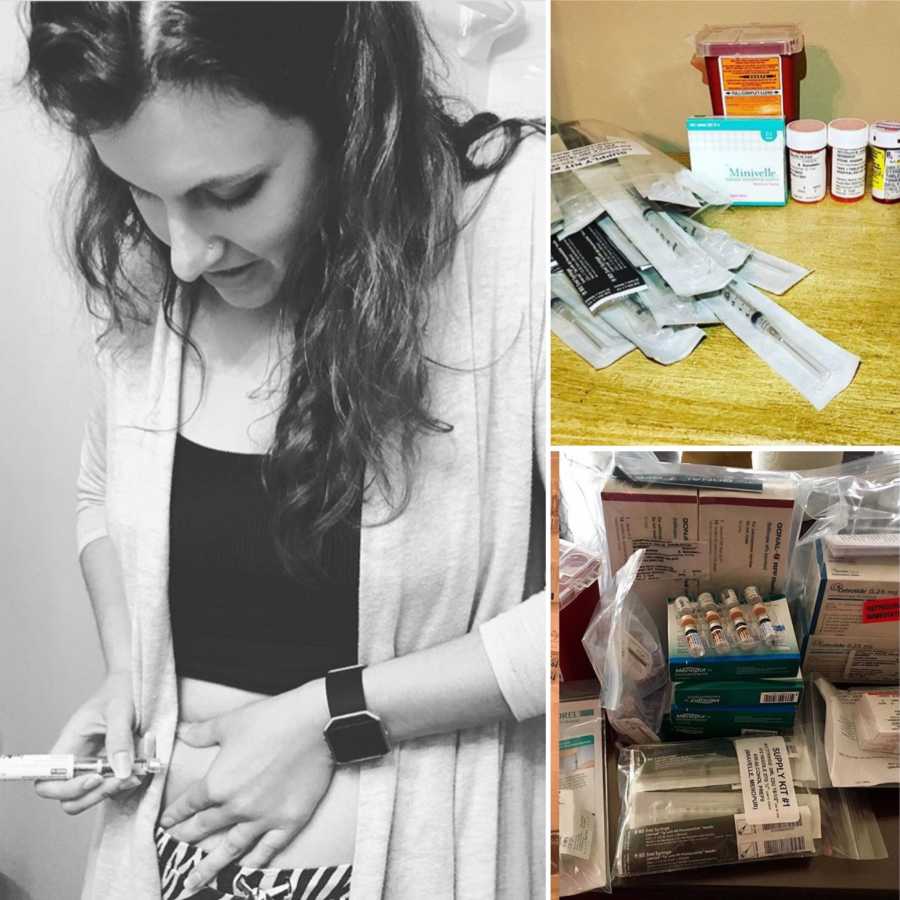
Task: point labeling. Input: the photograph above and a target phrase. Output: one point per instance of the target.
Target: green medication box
(758, 640)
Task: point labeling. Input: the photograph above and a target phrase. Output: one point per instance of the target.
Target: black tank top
(238, 618)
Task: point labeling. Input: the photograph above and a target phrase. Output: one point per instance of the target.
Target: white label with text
(766, 780)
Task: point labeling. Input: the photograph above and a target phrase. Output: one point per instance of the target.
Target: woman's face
(228, 185)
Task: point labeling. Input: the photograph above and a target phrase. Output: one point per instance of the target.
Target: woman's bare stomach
(327, 839)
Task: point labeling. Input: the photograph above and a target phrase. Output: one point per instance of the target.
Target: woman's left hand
(267, 780)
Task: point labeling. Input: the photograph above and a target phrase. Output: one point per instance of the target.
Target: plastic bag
(582, 474)
(578, 570)
(861, 497)
(583, 833)
(624, 647)
(678, 809)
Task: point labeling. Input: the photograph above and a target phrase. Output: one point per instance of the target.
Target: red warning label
(882, 609)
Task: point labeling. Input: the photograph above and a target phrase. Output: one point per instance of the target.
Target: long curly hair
(397, 159)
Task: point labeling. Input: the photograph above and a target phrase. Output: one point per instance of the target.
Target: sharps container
(752, 70)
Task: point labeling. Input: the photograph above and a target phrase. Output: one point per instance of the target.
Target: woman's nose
(192, 250)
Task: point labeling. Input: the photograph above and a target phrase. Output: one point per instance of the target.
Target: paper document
(849, 765)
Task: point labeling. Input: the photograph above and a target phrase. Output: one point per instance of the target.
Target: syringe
(761, 323)
(561, 307)
(62, 766)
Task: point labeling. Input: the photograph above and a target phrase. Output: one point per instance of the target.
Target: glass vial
(806, 141)
(884, 138)
(848, 139)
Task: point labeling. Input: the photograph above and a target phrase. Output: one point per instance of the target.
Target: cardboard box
(761, 662)
(734, 721)
(702, 539)
(743, 157)
(854, 634)
(748, 691)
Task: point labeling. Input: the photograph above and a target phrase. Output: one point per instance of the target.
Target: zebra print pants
(177, 859)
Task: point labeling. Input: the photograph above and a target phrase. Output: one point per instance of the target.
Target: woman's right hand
(102, 726)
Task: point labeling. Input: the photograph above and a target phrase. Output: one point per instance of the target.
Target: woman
(304, 499)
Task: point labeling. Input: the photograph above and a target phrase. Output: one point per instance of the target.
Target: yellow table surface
(723, 393)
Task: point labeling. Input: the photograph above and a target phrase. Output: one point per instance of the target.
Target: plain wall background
(49, 653)
(50, 658)
(629, 62)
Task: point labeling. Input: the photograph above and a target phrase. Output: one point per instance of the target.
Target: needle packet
(818, 368)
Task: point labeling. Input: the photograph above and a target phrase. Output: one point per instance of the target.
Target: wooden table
(723, 393)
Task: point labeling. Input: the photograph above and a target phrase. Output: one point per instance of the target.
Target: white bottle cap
(848, 134)
(807, 134)
(885, 134)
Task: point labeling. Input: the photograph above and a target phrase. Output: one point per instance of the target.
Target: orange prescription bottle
(884, 139)
(806, 140)
(848, 139)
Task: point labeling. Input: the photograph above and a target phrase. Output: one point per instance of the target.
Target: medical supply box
(742, 158)
(760, 661)
(700, 538)
(729, 708)
(854, 624)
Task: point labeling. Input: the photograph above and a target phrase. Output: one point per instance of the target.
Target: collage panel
(725, 529)
(726, 231)
(273, 606)
(726, 672)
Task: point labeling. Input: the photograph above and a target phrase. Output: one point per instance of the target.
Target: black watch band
(354, 733)
(344, 691)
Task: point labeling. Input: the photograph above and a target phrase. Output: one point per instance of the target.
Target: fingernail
(121, 764)
(166, 821)
(191, 882)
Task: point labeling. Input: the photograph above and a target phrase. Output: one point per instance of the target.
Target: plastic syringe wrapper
(679, 811)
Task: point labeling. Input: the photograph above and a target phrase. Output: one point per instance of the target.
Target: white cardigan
(457, 815)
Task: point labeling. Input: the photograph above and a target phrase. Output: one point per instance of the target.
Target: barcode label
(780, 826)
(785, 845)
(756, 841)
(779, 697)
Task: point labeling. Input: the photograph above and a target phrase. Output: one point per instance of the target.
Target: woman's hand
(102, 726)
(264, 785)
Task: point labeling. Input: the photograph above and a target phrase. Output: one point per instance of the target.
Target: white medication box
(700, 538)
(854, 631)
(740, 156)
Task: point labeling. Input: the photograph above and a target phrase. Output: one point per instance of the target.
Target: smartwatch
(354, 734)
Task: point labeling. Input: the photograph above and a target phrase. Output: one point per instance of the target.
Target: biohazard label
(751, 85)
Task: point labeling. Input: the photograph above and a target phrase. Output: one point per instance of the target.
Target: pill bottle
(884, 138)
(752, 70)
(848, 139)
(806, 140)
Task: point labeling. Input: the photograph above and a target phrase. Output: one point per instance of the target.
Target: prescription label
(766, 780)
(885, 173)
(751, 85)
(604, 151)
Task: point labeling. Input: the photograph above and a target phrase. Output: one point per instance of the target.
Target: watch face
(356, 737)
